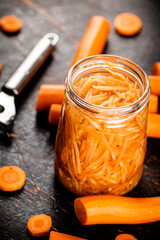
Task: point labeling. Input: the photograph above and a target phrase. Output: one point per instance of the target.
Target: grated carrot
(103, 156)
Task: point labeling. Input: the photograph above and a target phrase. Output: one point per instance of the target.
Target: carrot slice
(125, 236)
(12, 178)
(127, 24)
(153, 129)
(62, 236)
(49, 94)
(54, 113)
(94, 38)
(155, 84)
(156, 68)
(153, 103)
(39, 225)
(109, 209)
(10, 24)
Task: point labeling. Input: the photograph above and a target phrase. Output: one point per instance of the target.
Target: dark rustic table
(33, 148)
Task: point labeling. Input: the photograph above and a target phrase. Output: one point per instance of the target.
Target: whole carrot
(108, 209)
(49, 94)
(155, 84)
(94, 38)
(156, 68)
(153, 129)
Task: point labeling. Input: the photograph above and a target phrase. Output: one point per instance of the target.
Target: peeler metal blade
(19, 79)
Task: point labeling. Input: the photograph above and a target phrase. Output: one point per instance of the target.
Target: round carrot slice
(10, 24)
(39, 225)
(127, 24)
(125, 236)
(12, 178)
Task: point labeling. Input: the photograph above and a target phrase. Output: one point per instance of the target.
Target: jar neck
(96, 64)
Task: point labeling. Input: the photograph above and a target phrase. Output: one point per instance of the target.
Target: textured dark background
(33, 149)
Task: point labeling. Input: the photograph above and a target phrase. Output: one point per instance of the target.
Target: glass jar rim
(116, 111)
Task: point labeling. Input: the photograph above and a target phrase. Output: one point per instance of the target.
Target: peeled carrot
(127, 24)
(12, 178)
(153, 103)
(125, 236)
(156, 68)
(94, 38)
(62, 236)
(109, 209)
(39, 225)
(49, 94)
(10, 24)
(54, 113)
(155, 84)
(153, 125)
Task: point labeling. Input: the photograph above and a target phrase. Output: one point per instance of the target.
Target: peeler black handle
(25, 71)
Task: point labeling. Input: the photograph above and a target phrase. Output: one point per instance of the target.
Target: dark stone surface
(33, 149)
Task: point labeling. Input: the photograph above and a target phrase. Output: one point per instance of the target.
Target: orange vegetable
(153, 125)
(127, 24)
(10, 24)
(12, 178)
(153, 103)
(94, 38)
(54, 113)
(62, 236)
(39, 225)
(155, 84)
(49, 94)
(125, 236)
(156, 68)
(109, 209)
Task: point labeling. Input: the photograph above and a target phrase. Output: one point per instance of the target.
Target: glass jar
(101, 150)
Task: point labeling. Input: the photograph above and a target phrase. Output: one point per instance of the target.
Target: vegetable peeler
(19, 79)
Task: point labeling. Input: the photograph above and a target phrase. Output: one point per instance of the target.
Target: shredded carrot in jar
(97, 154)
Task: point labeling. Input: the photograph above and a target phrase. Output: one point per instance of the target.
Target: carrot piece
(94, 38)
(49, 94)
(153, 129)
(10, 24)
(62, 236)
(12, 178)
(127, 24)
(125, 236)
(155, 84)
(54, 113)
(109, 209)
(39, 225)
(156, 68)
(153, 103)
